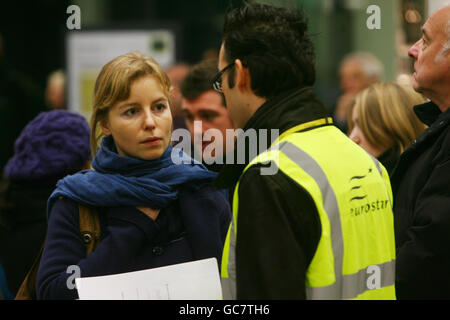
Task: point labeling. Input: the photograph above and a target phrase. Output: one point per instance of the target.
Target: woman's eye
(130, 112)
(160, 107)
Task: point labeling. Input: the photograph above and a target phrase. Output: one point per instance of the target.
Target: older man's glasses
(217, 81)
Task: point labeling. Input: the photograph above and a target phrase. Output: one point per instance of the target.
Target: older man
(357, 71)
(421, 182)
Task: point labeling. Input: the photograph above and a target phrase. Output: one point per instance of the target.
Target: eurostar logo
(357, 188)
(357, 193)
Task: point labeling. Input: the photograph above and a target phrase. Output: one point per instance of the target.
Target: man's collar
(427, 112)
(283, 112)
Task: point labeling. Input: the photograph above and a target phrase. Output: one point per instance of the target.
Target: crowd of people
(358, 206)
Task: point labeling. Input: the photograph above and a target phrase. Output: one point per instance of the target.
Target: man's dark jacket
(276, 215)
(421, 187)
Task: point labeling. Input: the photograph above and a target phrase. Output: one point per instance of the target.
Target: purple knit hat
(53, 144)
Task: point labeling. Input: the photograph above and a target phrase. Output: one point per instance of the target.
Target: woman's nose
(149, 121)
(354, 137)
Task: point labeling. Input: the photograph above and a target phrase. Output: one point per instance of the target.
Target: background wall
(33, 33)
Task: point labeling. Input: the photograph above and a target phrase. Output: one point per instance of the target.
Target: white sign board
(197, 280)
(88, 51)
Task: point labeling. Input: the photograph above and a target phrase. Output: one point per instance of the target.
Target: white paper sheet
(197, 280)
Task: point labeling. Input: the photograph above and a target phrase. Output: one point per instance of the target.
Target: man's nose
(412, 52)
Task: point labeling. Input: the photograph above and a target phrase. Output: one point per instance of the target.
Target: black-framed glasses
(217, 81)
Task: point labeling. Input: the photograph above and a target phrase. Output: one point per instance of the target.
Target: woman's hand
(152, 213)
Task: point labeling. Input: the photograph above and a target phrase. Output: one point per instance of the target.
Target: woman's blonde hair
(385, 115)
(113, 85)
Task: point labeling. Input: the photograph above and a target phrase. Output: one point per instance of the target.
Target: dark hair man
(201, 103)
(321, 226)
(176, 74)
(421, 181)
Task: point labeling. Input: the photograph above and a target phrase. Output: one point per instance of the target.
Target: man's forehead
(201, 108)
(207, 101)
(351, 66)
(436, 23)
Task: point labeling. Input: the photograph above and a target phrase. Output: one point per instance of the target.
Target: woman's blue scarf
(123, 181)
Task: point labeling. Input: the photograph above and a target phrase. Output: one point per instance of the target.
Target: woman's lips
(152, 141)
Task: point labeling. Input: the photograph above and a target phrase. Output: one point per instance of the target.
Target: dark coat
(389, 158)
(191, 228)
(421, 186)
(23, 210)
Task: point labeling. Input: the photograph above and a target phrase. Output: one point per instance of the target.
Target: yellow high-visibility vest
(355, 256)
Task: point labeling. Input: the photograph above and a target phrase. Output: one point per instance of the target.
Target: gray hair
(446, 46)
(372, 67)
(447, 30)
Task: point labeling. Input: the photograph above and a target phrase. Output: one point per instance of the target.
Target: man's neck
(443, 104)
(254, 103)
(442, 101)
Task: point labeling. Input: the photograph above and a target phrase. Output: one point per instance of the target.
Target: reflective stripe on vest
(228, 266)
(327, 280)
(345, 286)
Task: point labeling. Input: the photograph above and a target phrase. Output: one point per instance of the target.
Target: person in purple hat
(51, 146)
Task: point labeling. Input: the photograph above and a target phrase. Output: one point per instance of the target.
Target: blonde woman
(382, 121)
(152, 212)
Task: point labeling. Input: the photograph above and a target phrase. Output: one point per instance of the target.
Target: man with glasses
(314, 229)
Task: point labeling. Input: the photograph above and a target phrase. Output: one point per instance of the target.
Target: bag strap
(27, 290)
(90, 233)
(89, 227)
